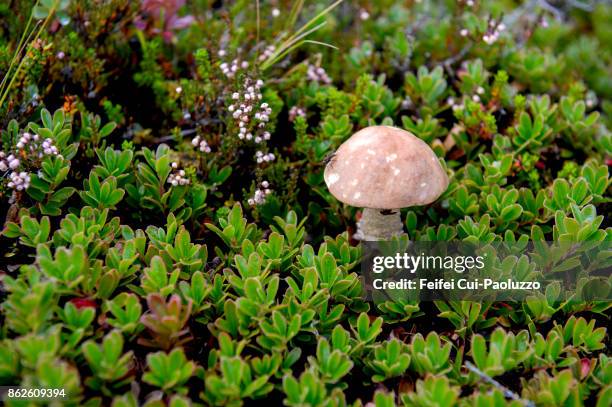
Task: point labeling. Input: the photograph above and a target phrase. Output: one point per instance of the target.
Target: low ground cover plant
(168, 239)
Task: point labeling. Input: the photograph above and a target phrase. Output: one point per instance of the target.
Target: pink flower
(168, 10)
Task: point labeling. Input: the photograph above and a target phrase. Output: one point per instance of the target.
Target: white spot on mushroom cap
(391, 157)
(360, 142)
(396, 171)
(354, 182)
(357, 195)
(423, 184)
(371, 152)
(332, 178)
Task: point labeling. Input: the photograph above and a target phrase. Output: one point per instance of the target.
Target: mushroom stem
(377, 224)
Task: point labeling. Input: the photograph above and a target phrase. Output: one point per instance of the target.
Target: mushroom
(383, 169)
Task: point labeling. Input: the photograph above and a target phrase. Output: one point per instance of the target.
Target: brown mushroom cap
(385, 167)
